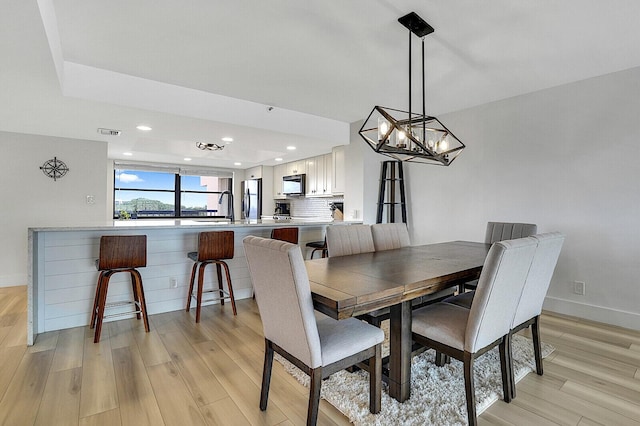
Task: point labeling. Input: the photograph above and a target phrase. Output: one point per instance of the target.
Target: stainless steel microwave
(293, 185)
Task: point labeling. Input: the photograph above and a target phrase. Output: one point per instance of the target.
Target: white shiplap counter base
(63, 275)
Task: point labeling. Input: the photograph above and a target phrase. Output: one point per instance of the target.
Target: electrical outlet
(579, 287)
(173, 282)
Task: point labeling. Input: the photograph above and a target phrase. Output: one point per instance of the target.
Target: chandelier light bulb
(444, 145)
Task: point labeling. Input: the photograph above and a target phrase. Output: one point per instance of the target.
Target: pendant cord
(424, 95)
(409, 129)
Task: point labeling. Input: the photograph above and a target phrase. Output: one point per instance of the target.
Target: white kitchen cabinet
(319, 176)
(338, 170)
(253, 173)
(278, 172)
(296, 168)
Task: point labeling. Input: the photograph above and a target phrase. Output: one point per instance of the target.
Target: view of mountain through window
(146, 194)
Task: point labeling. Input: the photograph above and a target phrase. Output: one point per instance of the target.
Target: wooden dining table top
(352, 285)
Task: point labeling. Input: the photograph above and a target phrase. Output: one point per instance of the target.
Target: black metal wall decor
(406, 135)
(54, 168)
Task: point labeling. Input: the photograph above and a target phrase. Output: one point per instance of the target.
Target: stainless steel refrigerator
(252, 199)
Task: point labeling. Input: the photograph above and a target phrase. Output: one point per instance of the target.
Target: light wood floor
(182, 373)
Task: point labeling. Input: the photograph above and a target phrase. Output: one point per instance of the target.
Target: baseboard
(602, 314)
(13, 280)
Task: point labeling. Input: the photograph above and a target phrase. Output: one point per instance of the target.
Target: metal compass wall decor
(54, 168)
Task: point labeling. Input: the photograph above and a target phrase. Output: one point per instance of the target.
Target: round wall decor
(54, 168)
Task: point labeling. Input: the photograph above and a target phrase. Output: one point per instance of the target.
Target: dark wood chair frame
(467, 358)
(534, 323)
(289, 235)
(122, 253)
(316, 375)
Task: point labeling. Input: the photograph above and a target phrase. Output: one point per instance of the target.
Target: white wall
(567, 159)
(31, 199)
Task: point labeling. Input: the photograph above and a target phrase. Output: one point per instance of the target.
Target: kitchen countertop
(192, 223)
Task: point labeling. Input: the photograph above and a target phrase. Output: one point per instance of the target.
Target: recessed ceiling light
(128, 154)
(187, 159)
(237, 164)
(227, 139)
(278, 159)
(291, 148)
(143, 128)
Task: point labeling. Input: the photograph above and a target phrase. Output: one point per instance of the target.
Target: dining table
(350, 286)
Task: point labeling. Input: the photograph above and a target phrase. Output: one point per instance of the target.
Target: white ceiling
(204, 69)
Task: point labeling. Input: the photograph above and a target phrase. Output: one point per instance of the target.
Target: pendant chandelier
(407, 135)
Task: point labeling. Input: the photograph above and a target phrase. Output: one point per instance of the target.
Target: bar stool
(289, 235)
(119, 253)
(318, 245)
(213, 247)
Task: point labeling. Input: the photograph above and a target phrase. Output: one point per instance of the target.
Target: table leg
(400, 351)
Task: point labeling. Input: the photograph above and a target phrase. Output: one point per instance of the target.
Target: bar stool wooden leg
(219, 274)
(101, 305)
(191, 282)
(135, 288)
(233, 300)
(200, 285)
(141, 299)
(92, 324)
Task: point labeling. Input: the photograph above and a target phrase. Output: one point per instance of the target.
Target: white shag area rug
(437, 393)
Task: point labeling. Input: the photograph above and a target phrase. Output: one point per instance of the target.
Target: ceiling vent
(109, 132)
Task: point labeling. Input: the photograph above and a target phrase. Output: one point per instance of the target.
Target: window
(143, 192)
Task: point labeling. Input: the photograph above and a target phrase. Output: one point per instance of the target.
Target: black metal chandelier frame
(419, 137)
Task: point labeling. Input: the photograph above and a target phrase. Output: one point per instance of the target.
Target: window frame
(177, 189)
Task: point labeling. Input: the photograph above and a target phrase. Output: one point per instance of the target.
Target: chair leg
(314, 396)
(141, 300)
(200, 285)
(219, 275)
(442, 359)
(136, 296)
(101, 304)
(191, 282)
(230, 287)
(375, 381)
(537, 349)
(469, 389)
(506, 368)
(266, 374)
(96, 299)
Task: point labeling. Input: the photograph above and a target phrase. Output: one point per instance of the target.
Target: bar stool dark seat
(318, 245)
(213, 248)
(289, 234)
(119, 253)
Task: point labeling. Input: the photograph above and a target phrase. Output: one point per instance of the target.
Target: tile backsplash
(312, 207)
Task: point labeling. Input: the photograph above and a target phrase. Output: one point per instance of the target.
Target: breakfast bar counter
(62, 272)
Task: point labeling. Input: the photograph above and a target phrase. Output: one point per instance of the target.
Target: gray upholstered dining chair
(320, 345)
(465, 334)
(343, 240)
(499, 231)
(535, 289)
(388, 236)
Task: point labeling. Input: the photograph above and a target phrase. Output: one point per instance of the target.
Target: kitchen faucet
(229, 203)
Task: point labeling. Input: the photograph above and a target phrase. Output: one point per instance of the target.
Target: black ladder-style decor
(391, 182)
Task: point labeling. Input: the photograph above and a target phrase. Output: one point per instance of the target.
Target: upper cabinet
(319, 175)
(325, 174)
(338, 171)
(253, 173)
(296, 168)
(279, 172)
